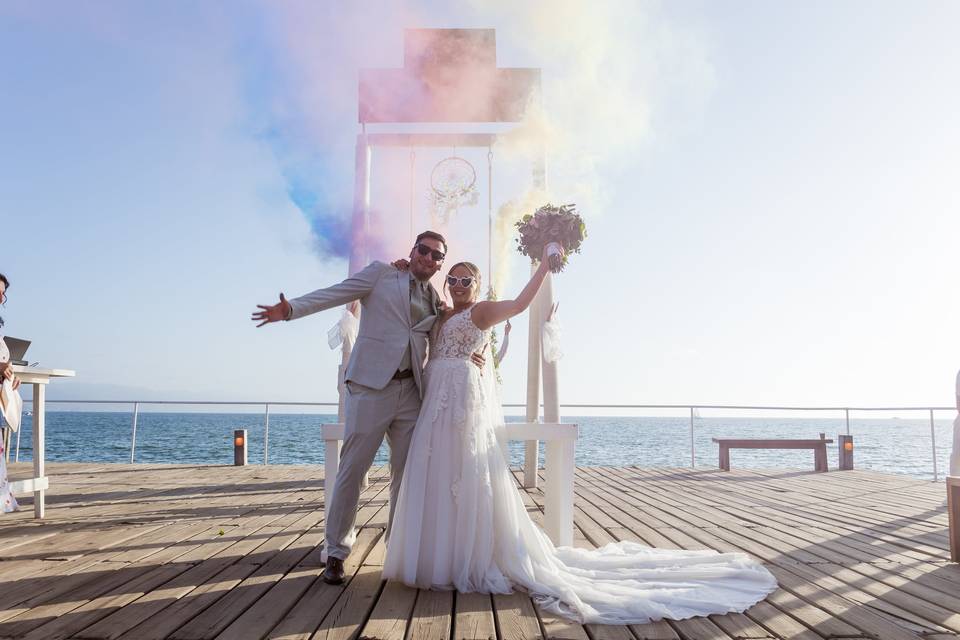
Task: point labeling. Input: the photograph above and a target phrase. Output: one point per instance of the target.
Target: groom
(383, 379)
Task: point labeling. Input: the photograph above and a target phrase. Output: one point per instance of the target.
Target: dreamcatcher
(453, 184)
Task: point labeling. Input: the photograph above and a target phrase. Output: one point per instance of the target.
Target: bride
(459, 522)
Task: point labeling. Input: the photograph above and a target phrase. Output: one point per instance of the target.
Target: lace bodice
(459, 337)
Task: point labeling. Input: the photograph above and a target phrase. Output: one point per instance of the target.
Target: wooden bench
(558, 468)
(819, 448)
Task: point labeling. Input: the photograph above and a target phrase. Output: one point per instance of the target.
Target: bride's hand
(401, 265)
(545, 258)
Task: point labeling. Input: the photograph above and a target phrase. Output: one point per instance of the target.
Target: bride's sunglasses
(465, 281)
(423, 250)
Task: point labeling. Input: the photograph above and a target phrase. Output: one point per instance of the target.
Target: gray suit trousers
(370, 414)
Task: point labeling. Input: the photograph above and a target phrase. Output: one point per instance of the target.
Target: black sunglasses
(423, 250)
(465, 281)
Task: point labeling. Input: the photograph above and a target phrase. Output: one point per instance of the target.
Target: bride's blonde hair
(474, 271)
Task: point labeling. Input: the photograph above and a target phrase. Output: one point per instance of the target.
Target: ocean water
(900, 446)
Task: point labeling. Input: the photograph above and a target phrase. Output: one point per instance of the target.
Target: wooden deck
(188, 552)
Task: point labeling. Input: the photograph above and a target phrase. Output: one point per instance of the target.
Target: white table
(39, 483)
(559, 469)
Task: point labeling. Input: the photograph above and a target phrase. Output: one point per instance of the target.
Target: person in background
(502, 351)
(7, 502)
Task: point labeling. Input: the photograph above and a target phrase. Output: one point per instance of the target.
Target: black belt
(401, 375)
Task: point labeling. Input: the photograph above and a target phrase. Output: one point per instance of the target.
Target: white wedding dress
(460, 523)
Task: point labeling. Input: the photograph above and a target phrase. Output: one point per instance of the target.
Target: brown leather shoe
(333, 574)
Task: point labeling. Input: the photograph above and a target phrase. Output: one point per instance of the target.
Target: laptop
(18, 349)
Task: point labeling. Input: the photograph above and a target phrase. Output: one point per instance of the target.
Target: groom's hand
(478, 359)
(273, 313)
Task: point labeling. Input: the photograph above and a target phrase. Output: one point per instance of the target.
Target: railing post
(133, 434)
(266, 432)
(693, 453)
(933, 442)
(847, 415)
(19, 431)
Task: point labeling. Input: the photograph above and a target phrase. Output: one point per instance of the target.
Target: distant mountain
(67, 389)
(122, 397)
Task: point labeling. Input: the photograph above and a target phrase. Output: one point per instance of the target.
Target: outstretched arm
(353, 288)
(488, 313)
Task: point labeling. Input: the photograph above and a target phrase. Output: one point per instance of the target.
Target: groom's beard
(421, 273)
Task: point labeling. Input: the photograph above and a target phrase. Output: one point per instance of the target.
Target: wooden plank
(474, 617)
(516, 617)
(391, 613)
(700, 628)
(737, 625)
(660, 630)
(779, 623)
(432, 616)
(608, 632)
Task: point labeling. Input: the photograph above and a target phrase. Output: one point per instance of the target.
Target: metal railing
(692, 408)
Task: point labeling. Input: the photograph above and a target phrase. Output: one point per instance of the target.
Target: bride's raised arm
(489, 313)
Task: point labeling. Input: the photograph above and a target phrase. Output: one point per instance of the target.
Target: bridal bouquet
(562, 225)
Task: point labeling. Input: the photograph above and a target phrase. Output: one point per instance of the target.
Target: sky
(770, 191)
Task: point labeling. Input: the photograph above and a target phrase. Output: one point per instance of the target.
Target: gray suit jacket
(386, 329)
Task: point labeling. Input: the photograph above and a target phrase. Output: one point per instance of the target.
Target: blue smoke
(318, 172)
(328, 210)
